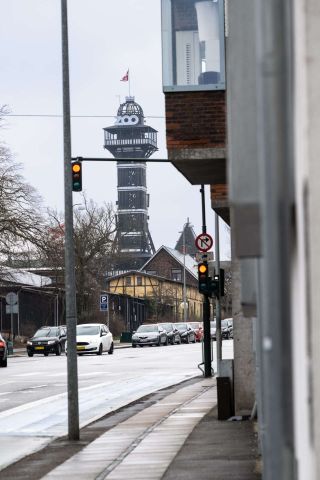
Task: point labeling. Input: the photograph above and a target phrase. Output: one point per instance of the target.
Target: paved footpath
(143, 446)
(169, 435)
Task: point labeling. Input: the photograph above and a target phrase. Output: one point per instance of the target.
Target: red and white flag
(125, 78)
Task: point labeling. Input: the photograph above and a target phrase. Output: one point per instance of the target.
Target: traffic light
(76, 169)
(215, 286)
(203, 276)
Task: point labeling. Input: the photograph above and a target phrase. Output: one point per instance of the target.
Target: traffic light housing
(76, 171)
(204, 279)
(210, 286)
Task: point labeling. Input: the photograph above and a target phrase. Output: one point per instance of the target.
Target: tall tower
(129, 137)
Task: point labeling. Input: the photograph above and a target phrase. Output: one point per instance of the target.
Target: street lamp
(185, 304)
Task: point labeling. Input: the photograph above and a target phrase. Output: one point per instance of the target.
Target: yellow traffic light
(203, 268)
(76, 171)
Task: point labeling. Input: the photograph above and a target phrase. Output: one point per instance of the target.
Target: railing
(140, 141)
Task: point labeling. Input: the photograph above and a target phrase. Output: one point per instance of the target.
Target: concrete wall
(310, 16)
(244, 361)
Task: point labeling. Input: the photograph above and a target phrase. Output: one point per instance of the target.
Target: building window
(139, 281)
(128, 281)
(193, 49)
(176, 274)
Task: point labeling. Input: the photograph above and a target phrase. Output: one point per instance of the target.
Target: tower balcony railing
(131, 141)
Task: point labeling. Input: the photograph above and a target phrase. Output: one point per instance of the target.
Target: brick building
(193, 46)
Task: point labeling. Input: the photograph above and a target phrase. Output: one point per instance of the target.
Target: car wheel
(100, 349)
(46, 354)
(30, 354)
(58, 350)
(159, 342)
(110, 351)
(167, 341)
(4, 363)
(134, 346)
(194, 339)
(187, 339)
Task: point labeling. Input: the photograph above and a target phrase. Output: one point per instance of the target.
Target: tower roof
(187, 238)
(130, 107)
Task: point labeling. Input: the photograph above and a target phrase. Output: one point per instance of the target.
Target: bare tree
(94, 229)
(21, 222)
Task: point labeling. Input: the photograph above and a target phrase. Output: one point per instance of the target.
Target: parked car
(172, 333)
(198, 328)
(213, 330)
(94, 338)
(3, 352)
(152, 334)
(47, 340)
(227, 328)
(187, 333)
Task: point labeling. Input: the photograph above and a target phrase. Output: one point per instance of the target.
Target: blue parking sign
(104, 302)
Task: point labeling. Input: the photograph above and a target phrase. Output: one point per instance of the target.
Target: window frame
(168, 53)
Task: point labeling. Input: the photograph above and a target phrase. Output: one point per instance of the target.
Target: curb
(21, 352)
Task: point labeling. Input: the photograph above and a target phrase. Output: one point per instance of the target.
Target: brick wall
(196, 119)
(219, 192)
(163, 263)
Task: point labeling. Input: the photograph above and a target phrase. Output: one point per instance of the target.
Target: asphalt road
(33, 391)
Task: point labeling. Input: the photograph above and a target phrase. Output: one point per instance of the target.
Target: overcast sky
(106, 37)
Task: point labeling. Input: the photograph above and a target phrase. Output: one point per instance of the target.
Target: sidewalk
(171, 435)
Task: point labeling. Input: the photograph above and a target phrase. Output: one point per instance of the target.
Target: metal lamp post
(184, 276)
(71, 311)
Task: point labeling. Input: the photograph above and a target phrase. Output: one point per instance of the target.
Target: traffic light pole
(71, 315)
(218, 297)
(206, 305)
(207, 337)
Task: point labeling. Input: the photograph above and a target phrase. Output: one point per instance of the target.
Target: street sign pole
(206, 306)
(70, 286)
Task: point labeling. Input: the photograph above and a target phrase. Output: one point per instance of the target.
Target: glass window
(193, 48)
(176, 275)
(128, 280)
(139, 281)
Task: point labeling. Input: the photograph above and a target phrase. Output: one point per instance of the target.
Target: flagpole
(129, 82)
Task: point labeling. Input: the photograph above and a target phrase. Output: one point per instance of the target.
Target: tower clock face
(127, 120)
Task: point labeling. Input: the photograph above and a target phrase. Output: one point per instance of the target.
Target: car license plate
(39, 348)
(80, 347)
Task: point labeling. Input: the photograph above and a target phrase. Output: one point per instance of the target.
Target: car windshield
(194, 325)
(181, 326)
(167, 326)
(213, 324)
(47, 332)
(224, 323)
(88, 330)
(147, 328)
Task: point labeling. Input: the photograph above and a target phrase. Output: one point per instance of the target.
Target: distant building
(130, 138)
(186, 241)
(160, 280)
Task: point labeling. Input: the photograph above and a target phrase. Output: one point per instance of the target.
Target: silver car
(152, 334)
